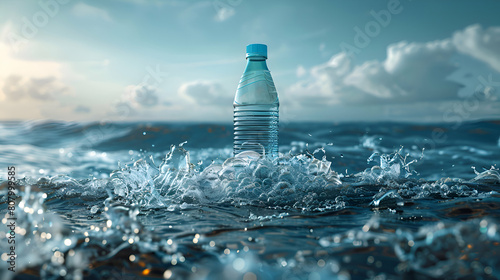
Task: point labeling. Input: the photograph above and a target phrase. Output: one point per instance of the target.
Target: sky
(173, 60)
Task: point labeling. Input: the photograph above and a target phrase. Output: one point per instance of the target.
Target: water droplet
(167, 274)
(239, 264)
(250, 276)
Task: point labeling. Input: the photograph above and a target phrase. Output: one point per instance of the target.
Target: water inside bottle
(256, 129)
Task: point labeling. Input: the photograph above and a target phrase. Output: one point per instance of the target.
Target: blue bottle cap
(257, 50)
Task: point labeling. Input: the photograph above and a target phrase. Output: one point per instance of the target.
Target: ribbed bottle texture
(256, 129)
(256, 107)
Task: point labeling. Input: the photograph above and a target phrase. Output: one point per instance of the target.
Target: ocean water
(168, 201)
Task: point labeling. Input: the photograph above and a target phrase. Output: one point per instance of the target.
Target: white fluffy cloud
(326, 85)
(225, 9)
(16, 87)
(481, 44)
(411, 72)
(141, 95)
(204, 93)
(29, 80)
(224, 13)
(134, 99)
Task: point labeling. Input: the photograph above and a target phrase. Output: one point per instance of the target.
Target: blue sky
(432, 61)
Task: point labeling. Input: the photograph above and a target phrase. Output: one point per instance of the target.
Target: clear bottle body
(256, 111)
(256, 129)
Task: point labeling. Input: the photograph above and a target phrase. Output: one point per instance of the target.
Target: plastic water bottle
(256, 107)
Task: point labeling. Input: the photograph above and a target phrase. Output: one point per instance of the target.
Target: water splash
(37, 228)
(491, 176)
(246, 178)
(274, 199)
(63, 252)
(452, 250)
(390, 167)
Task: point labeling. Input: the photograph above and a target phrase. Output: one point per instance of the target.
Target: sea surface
(169, 201)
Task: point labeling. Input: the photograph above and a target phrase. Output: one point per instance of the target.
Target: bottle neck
(256, 63)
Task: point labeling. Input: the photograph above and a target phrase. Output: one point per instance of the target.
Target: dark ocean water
(168, 201)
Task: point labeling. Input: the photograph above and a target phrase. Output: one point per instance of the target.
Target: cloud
(123, 109)
(224, 12)
(25, 67)
(204, 93)
(324, 84)
(301, 71)
(411, 72)
(84, 10)
(31, 89)
(483, 45)
(141, 95)
(81, 109)
(225, 9)
(135, 98)
(16, 87)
